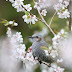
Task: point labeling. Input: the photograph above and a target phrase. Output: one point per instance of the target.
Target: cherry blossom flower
(9, 33)
(32, 18)
(58, 6)
(61, 9)
(44, 12)
(59, 61)
(60, 1)
(30, 57)
(37, 6)
(17, 37)
(64, 14)
(46, 51)
(18, 5)
(58, 69)
(44, 70)
(54, 53)
(65, 3)
(27, 7)
(13, 23)
(20, 51)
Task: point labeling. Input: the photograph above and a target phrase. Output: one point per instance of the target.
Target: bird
(38, 42)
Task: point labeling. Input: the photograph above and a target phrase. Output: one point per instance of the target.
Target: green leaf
(44, 48)
(28, 17)
(26, 12)
(6, 24)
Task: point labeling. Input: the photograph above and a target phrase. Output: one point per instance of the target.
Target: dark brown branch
(70, 16)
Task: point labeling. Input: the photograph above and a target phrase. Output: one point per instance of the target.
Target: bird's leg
(39, 61)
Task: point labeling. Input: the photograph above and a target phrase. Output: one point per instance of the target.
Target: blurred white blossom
(46, 51)
(37, 6)
(18, 5)
(59, 61)
(17, 37)
(30, 57)
(9, 33)
(61, 9)
(54, 53)
(13, 23)
(64, 14)
(44, 12)
(58, 69)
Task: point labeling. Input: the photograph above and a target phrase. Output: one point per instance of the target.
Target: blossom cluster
(30, 57)
(28, 17)
(18, 51)
(16, 40)
(19, 5)
(61, 9)
(59, 69)
(38, 6)
(60, 35)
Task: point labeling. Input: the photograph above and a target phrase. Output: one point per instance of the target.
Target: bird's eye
(36, 36)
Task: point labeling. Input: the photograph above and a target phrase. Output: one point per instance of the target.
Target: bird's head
(36, 37)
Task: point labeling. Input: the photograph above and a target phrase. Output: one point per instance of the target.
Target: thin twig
(33, 14)
(52, 18)
(43, 20)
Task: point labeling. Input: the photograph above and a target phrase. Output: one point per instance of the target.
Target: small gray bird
(37, 51)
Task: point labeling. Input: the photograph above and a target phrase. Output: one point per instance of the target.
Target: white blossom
(65, 3)
(59, 60)
(37, 6)
(60, 1)
(58, 69)
(64, 14)
(58, 6)
(20, 51)
(54, 53)
(17, 37)
(27, 7)
(9, 33)
(61, 9)
(18, 5)
(32, 18)
(46, 51)
(30, 57)
(13, 23)
(44, 70)
(55, 37)
(10, 22)
(44, 12)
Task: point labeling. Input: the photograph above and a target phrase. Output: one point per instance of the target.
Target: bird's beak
(30, 37)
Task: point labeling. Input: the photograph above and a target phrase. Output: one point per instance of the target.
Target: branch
(49, 65)
(52, 18)
(43, 20)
